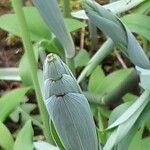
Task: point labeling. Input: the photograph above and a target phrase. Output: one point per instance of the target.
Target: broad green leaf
(138, 23)
(10, 101)
(129, 97)
(82, 58)
(146, 143)
(56, 137)
(125, 142)
(37, 29)
(41, 145)
(52, 46)
(73, 24)
(24, 71)
(114, 80)
(143, 8)
(52, 16)
(96, 79)
(136, 142)
(24, 138)
(6, 139)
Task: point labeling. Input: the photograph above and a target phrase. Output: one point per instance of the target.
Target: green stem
(106, 48)
(101, 125)
(17, 5)
(66, 8)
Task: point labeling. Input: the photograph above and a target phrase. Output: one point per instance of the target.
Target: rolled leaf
(51, 14)
(67, 106)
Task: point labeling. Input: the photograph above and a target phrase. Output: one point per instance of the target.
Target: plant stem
(66, 8)
(106, 48)
(17, 5)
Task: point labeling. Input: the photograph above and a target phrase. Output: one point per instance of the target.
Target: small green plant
(105, 114)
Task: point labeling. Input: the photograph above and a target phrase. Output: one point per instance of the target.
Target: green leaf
(6, 139)
(96, 79)
(24, 71)
(113, 81)
(73, 24)
(143, 8)
(24, 138)
(138, 23)
(118, 111)
(37, 29)
(68, 107)
(10, 101)
(53, 18)
(136, 142)
(121, 36)
(125, 142)
(56, 137)
(82, 58)
(146, 143)
(106, 21)
(76, 128)
(135, 109)
(129, 97)
(126, 121)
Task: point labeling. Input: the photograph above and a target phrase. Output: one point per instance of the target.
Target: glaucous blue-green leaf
(41, 145)
(120, 34)
(135, 108)
(144, 77)
(52, 16)
(118, 111)
(97, 58)
(73, 125)
(24, 138)
(67, 106)
(9, 74)
(126, 121)
(138, 23)
(6, 139)
(10, 101)
(104, 20)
